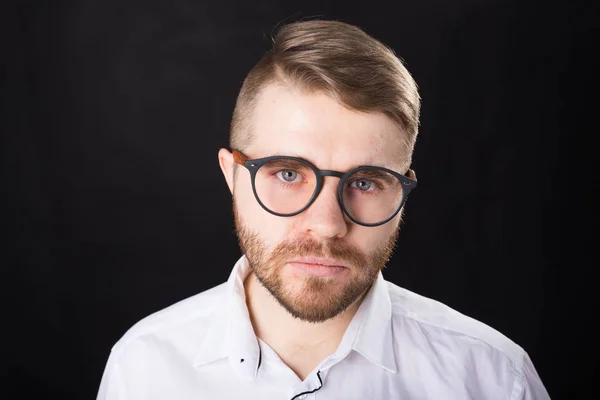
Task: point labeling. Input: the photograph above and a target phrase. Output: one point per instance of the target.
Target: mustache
(308, 247)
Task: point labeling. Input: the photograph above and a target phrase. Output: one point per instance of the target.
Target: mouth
(318, 266)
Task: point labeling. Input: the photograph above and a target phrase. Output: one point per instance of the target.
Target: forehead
(316, 127)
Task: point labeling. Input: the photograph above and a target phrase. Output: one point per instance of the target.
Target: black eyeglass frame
(253, 166)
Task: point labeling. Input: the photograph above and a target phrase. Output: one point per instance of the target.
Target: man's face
(316, 263)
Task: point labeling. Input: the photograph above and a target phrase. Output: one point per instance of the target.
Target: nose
(325, 218)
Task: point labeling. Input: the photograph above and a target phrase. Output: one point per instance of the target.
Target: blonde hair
(340, 60)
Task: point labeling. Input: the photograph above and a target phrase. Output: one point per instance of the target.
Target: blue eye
(362, 184)
(287, 175)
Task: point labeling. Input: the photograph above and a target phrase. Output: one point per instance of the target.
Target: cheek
(270, 228)
(367, 239)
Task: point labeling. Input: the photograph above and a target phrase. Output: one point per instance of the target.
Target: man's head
(332, 95)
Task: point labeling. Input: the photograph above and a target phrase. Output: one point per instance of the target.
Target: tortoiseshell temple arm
(239, 157)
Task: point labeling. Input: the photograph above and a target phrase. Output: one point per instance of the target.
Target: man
(319, 170)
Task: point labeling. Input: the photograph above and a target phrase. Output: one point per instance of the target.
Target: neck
(301, 345)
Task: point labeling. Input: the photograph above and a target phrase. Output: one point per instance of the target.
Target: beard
(313, 298)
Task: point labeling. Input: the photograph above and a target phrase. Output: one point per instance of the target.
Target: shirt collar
(231, 335)
(374, 339)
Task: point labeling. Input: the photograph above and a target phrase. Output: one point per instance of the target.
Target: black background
(113, 205)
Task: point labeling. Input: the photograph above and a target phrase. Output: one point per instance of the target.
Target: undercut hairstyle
(341, 61)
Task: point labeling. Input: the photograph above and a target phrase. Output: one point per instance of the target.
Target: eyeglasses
(286, 186)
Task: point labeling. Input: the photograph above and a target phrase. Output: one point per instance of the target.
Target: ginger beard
(313, 298)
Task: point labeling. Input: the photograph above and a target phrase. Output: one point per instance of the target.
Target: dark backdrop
(113, 205)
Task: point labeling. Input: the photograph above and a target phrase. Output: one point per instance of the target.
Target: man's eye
(362, 184)
(287, 175)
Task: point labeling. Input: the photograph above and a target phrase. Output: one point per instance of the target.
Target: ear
(411, 174)
(226, 163)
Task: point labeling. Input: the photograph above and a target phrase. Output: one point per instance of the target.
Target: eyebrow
(393, 167)
(377, 174)
(283, 163)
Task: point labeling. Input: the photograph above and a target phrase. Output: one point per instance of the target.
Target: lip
(327, 262)
(311, 266)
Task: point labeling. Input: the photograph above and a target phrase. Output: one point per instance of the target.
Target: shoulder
(160, 342)
(442, 325)
(189, 315)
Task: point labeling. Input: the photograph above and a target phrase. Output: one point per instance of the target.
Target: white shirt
(399, 345)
